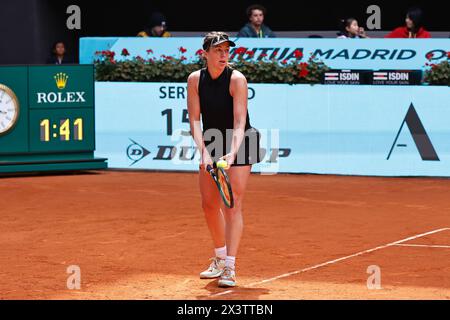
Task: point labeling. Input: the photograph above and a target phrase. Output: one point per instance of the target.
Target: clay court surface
(141, 235)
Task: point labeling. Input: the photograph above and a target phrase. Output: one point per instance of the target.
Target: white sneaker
(215, 269)
(227, 278)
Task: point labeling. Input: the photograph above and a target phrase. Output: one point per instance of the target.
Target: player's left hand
(229, 158)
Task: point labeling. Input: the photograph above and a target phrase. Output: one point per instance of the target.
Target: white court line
(333, 261)
(422, 245)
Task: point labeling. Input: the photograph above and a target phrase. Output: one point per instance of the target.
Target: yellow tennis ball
(222, 164)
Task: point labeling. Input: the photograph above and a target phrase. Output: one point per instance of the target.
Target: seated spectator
(351, 30)
(413, 28)
(256, 27)
(58, 54)
(157, 28)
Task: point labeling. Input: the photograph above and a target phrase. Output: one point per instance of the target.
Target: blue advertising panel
(336, 53)
(355, 130)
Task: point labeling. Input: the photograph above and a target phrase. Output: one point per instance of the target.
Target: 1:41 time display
(62, 130)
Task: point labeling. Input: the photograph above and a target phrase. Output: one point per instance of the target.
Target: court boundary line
(142, 170)
(317, 266)
(423, 246)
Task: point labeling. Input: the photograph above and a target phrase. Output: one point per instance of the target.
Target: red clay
(141, 235)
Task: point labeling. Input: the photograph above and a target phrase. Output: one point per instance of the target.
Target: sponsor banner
(396, 77)
(379, 77)
(336, 53)
(352, 77)
(61, 86)
(357, 130)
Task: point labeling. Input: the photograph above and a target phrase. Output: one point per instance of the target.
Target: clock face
(9, 109)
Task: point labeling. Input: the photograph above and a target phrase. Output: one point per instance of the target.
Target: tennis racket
(223, 184)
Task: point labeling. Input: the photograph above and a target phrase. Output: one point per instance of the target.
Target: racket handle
(209, 167)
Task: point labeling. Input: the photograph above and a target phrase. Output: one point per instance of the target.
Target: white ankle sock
(221, 252)
(230, 262)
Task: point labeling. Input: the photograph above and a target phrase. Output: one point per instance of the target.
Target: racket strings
(224, 185)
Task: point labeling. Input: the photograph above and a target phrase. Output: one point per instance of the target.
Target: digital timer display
(65, 130)
(62, 129)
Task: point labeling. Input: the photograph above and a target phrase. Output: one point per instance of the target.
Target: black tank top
(216, 102)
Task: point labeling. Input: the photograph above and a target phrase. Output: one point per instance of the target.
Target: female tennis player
(219, 94)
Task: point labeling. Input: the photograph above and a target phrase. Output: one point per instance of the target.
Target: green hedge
(438, 74)
(176, 69)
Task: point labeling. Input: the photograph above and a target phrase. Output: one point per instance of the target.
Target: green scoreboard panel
(47, 118)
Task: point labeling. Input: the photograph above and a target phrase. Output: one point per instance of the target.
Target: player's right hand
(205, 160)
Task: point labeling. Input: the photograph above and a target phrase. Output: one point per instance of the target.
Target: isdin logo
(61, 80)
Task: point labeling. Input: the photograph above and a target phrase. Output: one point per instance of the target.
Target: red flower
(298, 54)
(303, 70)
(183, 58)
(429, 56)
(125, 52)
(303, 73)
(263, 55)
(284, 61)
(303, 65)
(199, 52)
(149, 51)
(107, 53)
(240, 50)
(448, 55)
(251, 53)
(182, 50)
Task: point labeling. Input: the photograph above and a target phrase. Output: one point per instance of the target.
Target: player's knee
(237, 206)
(237, 197)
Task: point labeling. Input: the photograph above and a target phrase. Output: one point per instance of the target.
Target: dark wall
(108, 17)
(29, 27)
(17, 31)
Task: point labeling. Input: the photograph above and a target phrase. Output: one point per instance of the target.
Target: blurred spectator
(157, 28)
(351, 30)
(413, 28)
(256, 27)
(58, 54)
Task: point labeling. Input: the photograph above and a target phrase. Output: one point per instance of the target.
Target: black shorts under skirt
(249, 152)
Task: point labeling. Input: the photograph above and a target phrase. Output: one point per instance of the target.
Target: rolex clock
(9, 109)
(47, 118)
